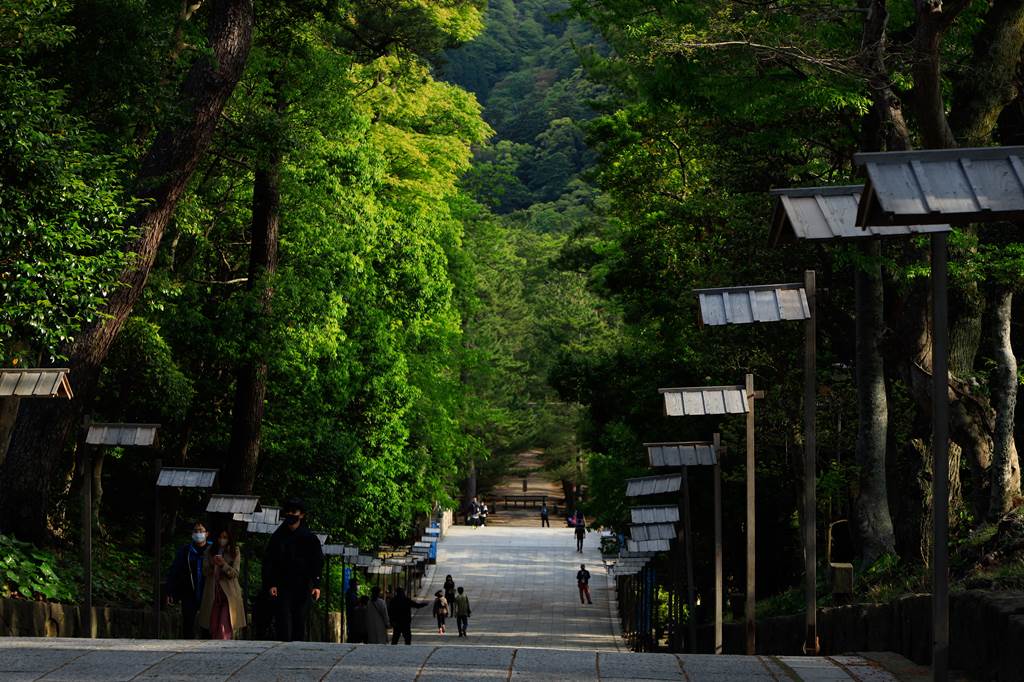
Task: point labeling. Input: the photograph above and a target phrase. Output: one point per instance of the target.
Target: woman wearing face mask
(223, 611)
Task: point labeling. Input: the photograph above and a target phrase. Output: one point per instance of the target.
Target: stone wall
(21, 618)
(986, 632)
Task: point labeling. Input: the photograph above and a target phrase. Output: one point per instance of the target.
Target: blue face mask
(198, 538)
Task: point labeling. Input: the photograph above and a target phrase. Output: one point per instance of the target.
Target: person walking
(440, 610)
(581, 533)
(184, 582)
(377, 622)
(400, 611)
(293, 562)
(544, 522)
(583, 583)
(351, 601)
(223, 609)
(449, 589)
(462, 611)
(357, 626)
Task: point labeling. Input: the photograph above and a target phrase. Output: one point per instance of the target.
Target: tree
(42, 429)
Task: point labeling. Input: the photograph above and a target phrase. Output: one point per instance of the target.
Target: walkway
(521, 584)
(80, 660)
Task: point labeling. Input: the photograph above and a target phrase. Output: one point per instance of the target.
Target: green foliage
(30, 573)
(121, 577)
(62, 207)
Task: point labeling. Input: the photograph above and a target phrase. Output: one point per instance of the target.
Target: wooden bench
(531, 500)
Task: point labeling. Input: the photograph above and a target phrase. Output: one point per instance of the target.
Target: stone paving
(527, 625)
(521, 584)
(79, 660)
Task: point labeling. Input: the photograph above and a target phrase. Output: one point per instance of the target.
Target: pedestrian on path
(462, 611)
(377, 621)
(474, 513)
(544, 522)
(449, 589)
(583, 583)
(351, 602)
(185, 582)
(357, 625)
(581, 533)
(400, 611)
(222, 611)
(440, 610)
(293, 562)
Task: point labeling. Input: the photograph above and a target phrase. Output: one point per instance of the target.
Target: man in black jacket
(400, 613)
(292, 566)
(185, 582)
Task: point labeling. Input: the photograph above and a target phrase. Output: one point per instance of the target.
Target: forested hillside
(530, 183)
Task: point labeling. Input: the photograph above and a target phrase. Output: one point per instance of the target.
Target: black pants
(544, 522)
(189, 608)
(404, 631)
(463, 623)
(290, 615)
(579, 543)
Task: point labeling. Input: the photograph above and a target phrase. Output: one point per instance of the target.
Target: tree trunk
(911, 361)
(874, 522)
(38, 444)
(251, 380)
(1005, 469)
(970, 412)
(98, 456)
(469, 485)
(989, 81)
(8, 416)
(926, 67)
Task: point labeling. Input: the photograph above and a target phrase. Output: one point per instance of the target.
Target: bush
(30, 573)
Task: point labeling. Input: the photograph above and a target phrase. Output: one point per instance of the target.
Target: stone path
(527, 625)
(521, 584)
(79, 660)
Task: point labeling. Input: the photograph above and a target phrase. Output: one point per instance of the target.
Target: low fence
(986, 632)
(22, 618)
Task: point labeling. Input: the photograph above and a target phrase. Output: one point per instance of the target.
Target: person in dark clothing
(583, 583)
(581, 533)
(400, 612)
(440, 611)
(462, 611)
(544, 522)
(184, 582)
(293, 562)
(449, 589)
(357, 631)
(351, 602)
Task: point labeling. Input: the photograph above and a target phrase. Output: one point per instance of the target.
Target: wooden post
(718, 542)
(749, 622)
(327, 596)
(688, 540)
(245, 573)
(810, 468)
(87, 532)
(940, 457)
(156, 553)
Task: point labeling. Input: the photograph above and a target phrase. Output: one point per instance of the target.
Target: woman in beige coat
(223, 610)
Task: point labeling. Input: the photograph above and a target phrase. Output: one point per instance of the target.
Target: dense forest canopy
(363, 252)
